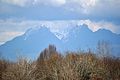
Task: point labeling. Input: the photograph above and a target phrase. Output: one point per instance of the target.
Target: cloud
(6, 36)
(61, 9)
(24, 3)
(107, 8)
(94, 26)
(23, 25)
(80, 5)
(16, 2)
(49, 2)
(67, 4)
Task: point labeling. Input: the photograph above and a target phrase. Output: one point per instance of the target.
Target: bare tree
(104, 48)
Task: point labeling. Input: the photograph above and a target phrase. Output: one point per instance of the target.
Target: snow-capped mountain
(34, 40)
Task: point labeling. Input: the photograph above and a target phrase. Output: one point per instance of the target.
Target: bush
(51, 65)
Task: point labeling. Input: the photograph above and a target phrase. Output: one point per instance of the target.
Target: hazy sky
(16, 16)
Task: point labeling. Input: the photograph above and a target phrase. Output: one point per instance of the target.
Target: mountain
(34, 40)
(79, 37)
(82, 37)
(29, 44)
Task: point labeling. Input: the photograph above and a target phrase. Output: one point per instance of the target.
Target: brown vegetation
(51, 65)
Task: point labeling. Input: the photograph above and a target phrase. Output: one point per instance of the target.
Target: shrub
(51, 65)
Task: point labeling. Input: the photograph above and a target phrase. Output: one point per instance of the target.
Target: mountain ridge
(33, 41)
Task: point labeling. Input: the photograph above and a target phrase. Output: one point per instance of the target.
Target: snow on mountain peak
(33, 30)
(60, 31)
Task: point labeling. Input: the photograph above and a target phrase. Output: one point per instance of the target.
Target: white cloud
(6, 36)
(16, 2)
(49, 2)
(94, 26)
(67, 4)
(75, 5)
(13, 25)
(23, 3)
(80, 6)
(107, 8)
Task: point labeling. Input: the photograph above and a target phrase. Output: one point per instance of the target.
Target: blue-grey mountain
(34, 40)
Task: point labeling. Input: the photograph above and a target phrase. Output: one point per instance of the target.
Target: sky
(16, 16)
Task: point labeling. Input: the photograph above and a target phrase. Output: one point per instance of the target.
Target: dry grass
(53, 66)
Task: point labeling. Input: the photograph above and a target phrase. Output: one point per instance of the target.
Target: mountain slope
(36, 39)
(30, 44)
(82, 37)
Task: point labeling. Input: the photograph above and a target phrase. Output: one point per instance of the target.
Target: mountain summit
(34, 40)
